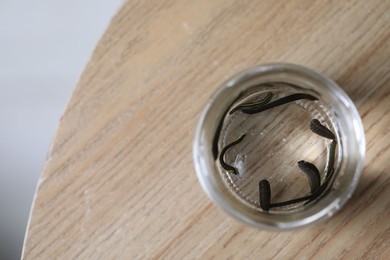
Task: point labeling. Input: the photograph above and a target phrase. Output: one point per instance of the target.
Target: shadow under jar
(279, 147)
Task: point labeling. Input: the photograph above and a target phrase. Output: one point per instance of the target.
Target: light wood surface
(119, 180)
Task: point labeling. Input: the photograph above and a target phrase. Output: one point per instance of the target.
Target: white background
(44, 46)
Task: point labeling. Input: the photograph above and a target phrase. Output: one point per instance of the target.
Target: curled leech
(253, 105)
(314, 177)
(312, 173)
(279, 102)
(224, 151)
(264, 195)
(321, 130)
(321, 189)
(218, 132)
(329, 173)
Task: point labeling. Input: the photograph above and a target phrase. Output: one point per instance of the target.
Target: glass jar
(235, 150)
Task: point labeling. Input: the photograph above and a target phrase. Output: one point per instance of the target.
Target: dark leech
(331, 157)
(264, 195)
(329, 174)
(224, 151)
(253, 105)
(322, 189)
(219, 128)
(290, 202)
(312, 173)
(279, 102)
(321, 130)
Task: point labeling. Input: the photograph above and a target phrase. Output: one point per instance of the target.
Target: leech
(254, 105)
(264, 195)
(290, 202)
(332, 151)
(219, 128)
(321, 130)
(321, 189)
(308, 198)
(224, 151)
(329, 173)
(312, 173)
(315, 192)
(279, 102)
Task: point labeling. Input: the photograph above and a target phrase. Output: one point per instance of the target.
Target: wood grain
(119, 180)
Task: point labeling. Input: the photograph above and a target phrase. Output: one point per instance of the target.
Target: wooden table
(119, 180)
